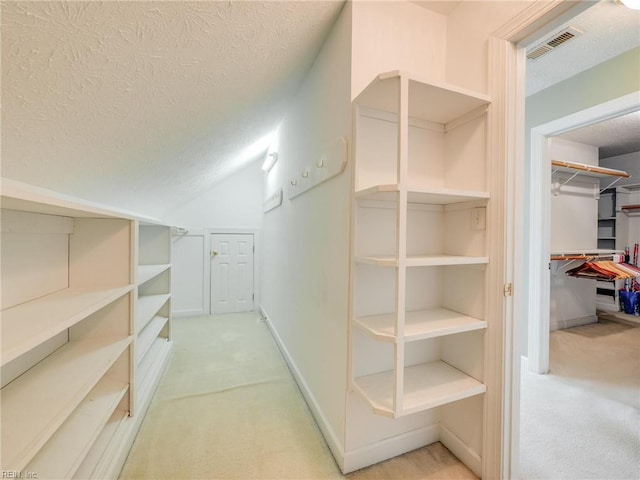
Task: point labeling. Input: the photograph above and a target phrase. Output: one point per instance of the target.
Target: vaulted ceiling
(145, 105)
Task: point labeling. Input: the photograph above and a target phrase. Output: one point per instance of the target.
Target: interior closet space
(69, 345)
(419, 255)
(577, 234)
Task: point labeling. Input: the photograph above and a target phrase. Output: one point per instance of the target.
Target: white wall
(469, 27)
(574, 226)
(305, 262)
(396, 36)
(235, 202)
(629, 162)
(190, 274)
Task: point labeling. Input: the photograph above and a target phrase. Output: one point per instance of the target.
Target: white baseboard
(390, 447)
(572, 322)
(365, 456)
(335, 445)
(461, 450)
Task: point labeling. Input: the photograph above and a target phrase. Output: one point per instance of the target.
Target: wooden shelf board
(147, 272)
(587, 170)
(431, 196)
(585, 253)
(147, 308)
(377, 260)
(426, 386)
(421, 260)
(438, 260)
(420, 324)
(63, 454)
(35, 404)
(149, 369)
(28, 325)
(95, 455)
(147, 336)
(431, 101)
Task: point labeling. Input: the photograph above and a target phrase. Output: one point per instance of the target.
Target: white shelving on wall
(69, 345)
(418, 252)
(153, 311)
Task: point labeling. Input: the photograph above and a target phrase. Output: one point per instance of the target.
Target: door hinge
(508, 289)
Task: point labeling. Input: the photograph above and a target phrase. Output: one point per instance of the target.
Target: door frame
(539, 181)
(507, 61)
(256, 260)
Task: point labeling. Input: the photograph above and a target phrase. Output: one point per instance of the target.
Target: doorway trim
(256, 260)
(540, 217)
(506, 147)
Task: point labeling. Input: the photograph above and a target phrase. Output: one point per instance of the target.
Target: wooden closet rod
(588, 168)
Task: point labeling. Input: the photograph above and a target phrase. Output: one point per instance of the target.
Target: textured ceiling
(609, 29)
(144, 105)
(614, 137)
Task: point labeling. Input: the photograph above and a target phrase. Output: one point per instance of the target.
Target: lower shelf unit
(78, 434)
(39, 402)
(426, 386)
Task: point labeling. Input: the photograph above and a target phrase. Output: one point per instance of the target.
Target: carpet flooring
(228, 408)
(582, 420)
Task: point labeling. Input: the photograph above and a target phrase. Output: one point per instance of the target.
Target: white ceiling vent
(552, 42)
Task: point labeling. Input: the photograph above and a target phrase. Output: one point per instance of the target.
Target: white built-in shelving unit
(419, 256)
(69, 339)
(152, 319)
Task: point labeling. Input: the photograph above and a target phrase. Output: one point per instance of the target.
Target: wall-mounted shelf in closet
(70, 285)
(574, 169)
(418, 252)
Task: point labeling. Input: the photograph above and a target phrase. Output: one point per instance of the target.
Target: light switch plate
(478, 218)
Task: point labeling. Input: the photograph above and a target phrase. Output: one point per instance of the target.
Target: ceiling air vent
(553, 41)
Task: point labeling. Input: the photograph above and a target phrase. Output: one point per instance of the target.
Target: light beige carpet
(582, 421)
(228, 408)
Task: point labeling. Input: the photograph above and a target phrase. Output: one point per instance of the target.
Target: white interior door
(231, 272)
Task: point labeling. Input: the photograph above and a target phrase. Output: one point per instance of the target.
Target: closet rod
(591, 169)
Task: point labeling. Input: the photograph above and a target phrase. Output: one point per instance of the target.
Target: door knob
(214, 253)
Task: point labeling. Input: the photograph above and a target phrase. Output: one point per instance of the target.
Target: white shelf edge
(147, 336)
(148, 272)
(150, 368)
(420, 260)
(427, 386)
(28, 325)
(99, 448)
(420, 324)
(586, 169)
(416, 194)
(79, 432)
(377, 260)
(444, 260)
(30, 198)
(64, 378)
(147, 307)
